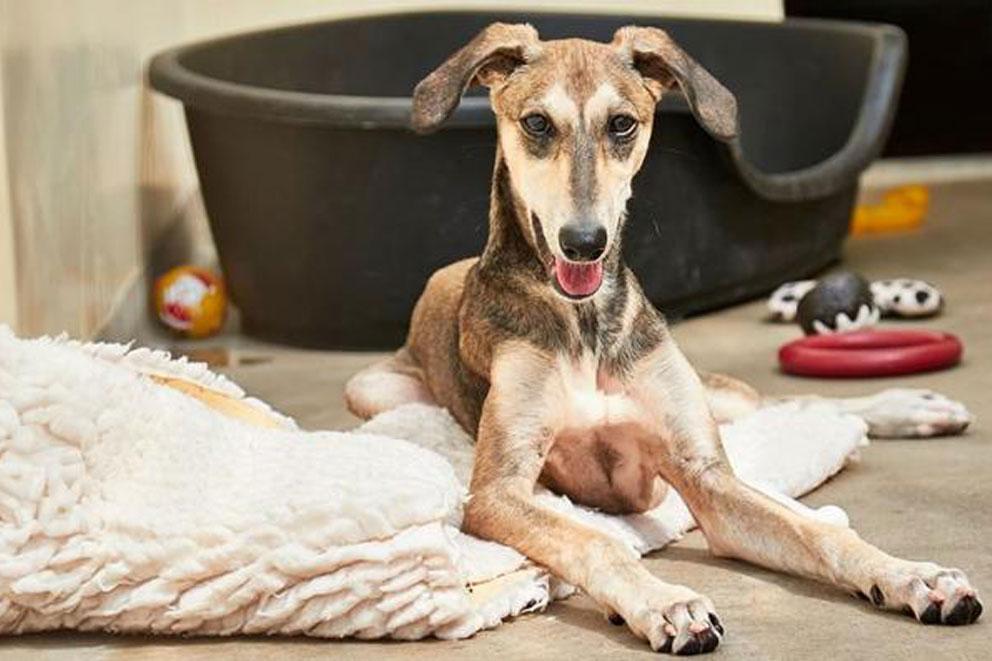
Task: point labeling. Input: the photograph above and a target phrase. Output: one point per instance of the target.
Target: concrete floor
(919, 499)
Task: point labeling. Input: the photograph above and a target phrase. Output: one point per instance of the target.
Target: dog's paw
(932, 594)
(911, 413)
(676, 621)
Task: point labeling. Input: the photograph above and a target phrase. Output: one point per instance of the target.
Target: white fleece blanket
(126, 505)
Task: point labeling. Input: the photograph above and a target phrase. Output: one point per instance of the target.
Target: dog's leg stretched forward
(743, 523)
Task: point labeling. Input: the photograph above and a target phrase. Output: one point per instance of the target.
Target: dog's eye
(622, 126)
(536, 124)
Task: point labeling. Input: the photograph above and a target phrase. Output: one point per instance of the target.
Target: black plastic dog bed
(329, 214)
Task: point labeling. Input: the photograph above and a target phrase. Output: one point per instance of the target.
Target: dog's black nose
(582, 243)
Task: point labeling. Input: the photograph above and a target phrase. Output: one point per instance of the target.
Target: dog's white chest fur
(592, 398)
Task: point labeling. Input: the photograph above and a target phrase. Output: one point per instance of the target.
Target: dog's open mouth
(576, 279)
(572, 279)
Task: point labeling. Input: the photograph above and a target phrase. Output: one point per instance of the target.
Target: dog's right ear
(662, 63)
(486, 60)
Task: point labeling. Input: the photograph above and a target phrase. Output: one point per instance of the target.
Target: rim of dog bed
(171, 74)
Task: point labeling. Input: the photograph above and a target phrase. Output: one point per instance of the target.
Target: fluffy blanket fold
(127, 505)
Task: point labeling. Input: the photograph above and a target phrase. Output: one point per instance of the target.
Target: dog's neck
(507, 247)
(510, 248)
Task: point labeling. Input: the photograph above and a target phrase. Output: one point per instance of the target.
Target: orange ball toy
(191, 301)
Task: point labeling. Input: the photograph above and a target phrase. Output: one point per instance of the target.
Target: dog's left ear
(487, 60)
(661, 62)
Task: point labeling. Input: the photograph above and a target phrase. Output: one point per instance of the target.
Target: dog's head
(574, 119)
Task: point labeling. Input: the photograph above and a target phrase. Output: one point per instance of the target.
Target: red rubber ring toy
(870, 353)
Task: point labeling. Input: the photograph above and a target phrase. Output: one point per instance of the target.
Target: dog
(545, 349)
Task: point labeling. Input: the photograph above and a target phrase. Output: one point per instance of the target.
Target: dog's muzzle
(580, 273)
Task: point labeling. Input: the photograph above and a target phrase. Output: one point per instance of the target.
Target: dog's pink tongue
(578, 279)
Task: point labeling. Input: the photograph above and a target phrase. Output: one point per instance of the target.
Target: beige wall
(98, 167)
(8, 287)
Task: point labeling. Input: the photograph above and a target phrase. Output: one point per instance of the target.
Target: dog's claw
(677, 621)
(719, 625)
(702, 642)
(967, 611)
(690, 648)
(930, 593)
(931, 615)
(709, 640)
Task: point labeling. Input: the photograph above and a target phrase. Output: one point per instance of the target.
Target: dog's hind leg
(387, 384)
(892, 413)
(899, 412)
(729, 398)
(908, 413)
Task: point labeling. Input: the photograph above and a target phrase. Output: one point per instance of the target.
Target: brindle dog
(546, 350)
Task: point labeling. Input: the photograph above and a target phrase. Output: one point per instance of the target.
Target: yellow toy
(901, 209)
(191, 301)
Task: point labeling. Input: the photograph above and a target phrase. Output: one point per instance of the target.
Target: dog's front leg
(741, 522)
(516, 430)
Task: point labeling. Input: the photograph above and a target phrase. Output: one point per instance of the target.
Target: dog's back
(434, 339)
